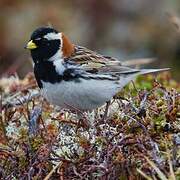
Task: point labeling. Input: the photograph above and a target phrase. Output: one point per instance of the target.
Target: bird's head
(46, 42)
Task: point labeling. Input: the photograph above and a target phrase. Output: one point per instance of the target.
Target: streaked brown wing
(91, 59)
(94, 62)
(84, 55)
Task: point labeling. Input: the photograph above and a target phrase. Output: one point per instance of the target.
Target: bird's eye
(44, 39)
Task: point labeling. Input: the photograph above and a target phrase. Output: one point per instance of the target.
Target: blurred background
(124, 29)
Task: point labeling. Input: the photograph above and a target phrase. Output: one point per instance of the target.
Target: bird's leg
(106, 110)
(134, 86)
(83, 121)
(78, 111)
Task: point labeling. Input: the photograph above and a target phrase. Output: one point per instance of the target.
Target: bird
(74, 77)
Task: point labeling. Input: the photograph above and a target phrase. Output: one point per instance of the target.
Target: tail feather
(147, 71)
(129, 77)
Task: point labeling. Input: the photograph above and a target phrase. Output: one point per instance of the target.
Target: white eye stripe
(52, 36)
(37, 39)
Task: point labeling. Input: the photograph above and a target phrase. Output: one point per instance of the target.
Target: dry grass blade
(174, 20)
(172, 175)
(52, 171)
(158, 171)
(17, 99)
(144, 175)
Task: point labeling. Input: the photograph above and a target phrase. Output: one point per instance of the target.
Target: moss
(143, 125)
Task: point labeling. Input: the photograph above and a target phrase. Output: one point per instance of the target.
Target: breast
(82, 95)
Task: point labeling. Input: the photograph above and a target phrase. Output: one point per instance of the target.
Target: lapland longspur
(74, 76)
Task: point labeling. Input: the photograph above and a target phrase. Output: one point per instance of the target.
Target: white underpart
(84, 95)
(87, 94)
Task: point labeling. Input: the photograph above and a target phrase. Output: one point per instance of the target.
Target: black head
(44, 43)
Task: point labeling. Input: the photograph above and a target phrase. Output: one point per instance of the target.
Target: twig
(170, 166)
(144, 175)
(106, 110)
(52, 171)
(134, 86)
(33, 124)
(10, 102)
(142, 126)
(158, 171)
(3, 129)
(174, 20)
(76, 173)
(65, 121)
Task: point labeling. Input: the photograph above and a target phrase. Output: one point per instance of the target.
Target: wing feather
(93, 62)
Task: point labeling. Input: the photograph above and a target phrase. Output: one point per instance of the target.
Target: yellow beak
(31, 45)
